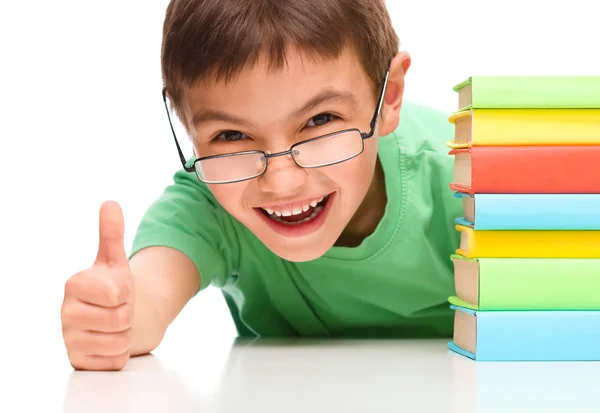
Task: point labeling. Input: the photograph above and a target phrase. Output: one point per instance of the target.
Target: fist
(97, 309)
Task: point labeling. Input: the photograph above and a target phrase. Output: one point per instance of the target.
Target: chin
(298, 254)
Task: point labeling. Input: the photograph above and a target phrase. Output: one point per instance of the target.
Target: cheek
(364, 166)
(371, 146)
(354, 176)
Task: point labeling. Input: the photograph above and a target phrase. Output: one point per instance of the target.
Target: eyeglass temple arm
(379, 105)
(181, 157)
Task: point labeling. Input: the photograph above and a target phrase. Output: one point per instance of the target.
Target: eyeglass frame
(267, 156)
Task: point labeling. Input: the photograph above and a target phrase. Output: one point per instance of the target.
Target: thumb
(111, 247)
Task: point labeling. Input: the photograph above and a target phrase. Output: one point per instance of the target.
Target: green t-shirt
(395, 284)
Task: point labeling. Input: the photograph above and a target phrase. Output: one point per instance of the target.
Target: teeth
(295, 211)
(315, 212)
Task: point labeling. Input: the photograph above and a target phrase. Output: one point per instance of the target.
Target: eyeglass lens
(323, 151)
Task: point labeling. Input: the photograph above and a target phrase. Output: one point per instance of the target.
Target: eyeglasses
(318, 152)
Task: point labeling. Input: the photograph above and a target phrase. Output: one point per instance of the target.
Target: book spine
(535, 92)
(536, 127)
(537, 211)
(538, 335)
(539, 284)
(531, 244)
(536, 169)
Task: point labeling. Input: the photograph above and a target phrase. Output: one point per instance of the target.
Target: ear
(394, 93)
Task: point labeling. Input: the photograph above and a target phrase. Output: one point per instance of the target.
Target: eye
(230, 136)
(321, 119)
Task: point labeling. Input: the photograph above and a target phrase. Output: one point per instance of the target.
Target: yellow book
(528, 244)
(488, 127)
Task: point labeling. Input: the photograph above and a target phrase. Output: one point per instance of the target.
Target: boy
(316, 200)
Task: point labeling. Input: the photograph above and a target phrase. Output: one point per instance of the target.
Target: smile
(297, 215)
(298, 220)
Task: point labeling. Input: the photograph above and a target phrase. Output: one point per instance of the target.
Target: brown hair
(220, 37)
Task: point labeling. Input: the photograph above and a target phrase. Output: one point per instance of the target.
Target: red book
(527, 169)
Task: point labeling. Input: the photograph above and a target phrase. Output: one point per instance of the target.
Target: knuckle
(78, 360)
(122, 318)
(69, 314)
(77, 341)
(116, 363)
(120, 342)
(76, 283)
(73, 341)
(72, 285)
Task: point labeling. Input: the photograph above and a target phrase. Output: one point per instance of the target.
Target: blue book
(530, 211)
(526, 335)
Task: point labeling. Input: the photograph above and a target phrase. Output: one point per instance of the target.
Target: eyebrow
(326, 96)
(214, 115)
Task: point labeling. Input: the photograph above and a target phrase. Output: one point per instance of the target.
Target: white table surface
(310, 376)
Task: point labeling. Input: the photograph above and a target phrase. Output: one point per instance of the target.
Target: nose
(282, 176)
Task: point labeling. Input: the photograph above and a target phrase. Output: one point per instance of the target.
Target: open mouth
(299, 215)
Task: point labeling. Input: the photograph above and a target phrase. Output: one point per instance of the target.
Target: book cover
(526, 92)
(530, 211)
(526, 335)
(528, 244)
(527, 169)
(524, 284)
(502, 127)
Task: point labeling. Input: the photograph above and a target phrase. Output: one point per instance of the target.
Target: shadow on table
(143, 386)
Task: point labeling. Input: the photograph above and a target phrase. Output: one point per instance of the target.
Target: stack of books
(527, 168)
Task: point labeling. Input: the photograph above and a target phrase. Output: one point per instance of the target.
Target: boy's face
(297, 213)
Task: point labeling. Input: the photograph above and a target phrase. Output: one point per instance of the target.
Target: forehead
(260, 87)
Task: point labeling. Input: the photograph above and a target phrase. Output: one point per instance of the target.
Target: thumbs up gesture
(97, 310)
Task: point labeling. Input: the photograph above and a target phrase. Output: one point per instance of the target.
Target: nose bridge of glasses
(283, 175)
(269, 155)
(283, 165)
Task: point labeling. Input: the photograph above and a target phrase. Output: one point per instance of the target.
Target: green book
(520, 284)
(528, 92)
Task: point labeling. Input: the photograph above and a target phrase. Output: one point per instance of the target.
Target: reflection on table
(338, 375)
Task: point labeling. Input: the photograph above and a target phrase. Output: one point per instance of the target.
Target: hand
(97, 310)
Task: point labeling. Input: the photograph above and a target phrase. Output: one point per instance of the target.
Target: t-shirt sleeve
(188, 218)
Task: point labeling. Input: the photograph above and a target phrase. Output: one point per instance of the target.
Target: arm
(165, 280)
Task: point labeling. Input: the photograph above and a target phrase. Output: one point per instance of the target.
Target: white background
(82, 121)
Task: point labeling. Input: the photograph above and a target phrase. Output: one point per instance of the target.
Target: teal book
(527, 92)
(526, 335)
(484, 212)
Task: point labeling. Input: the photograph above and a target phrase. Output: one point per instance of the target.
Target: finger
(99, 363)
(93, 343)
(98, 288)
(111, 248)
(82, 316)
